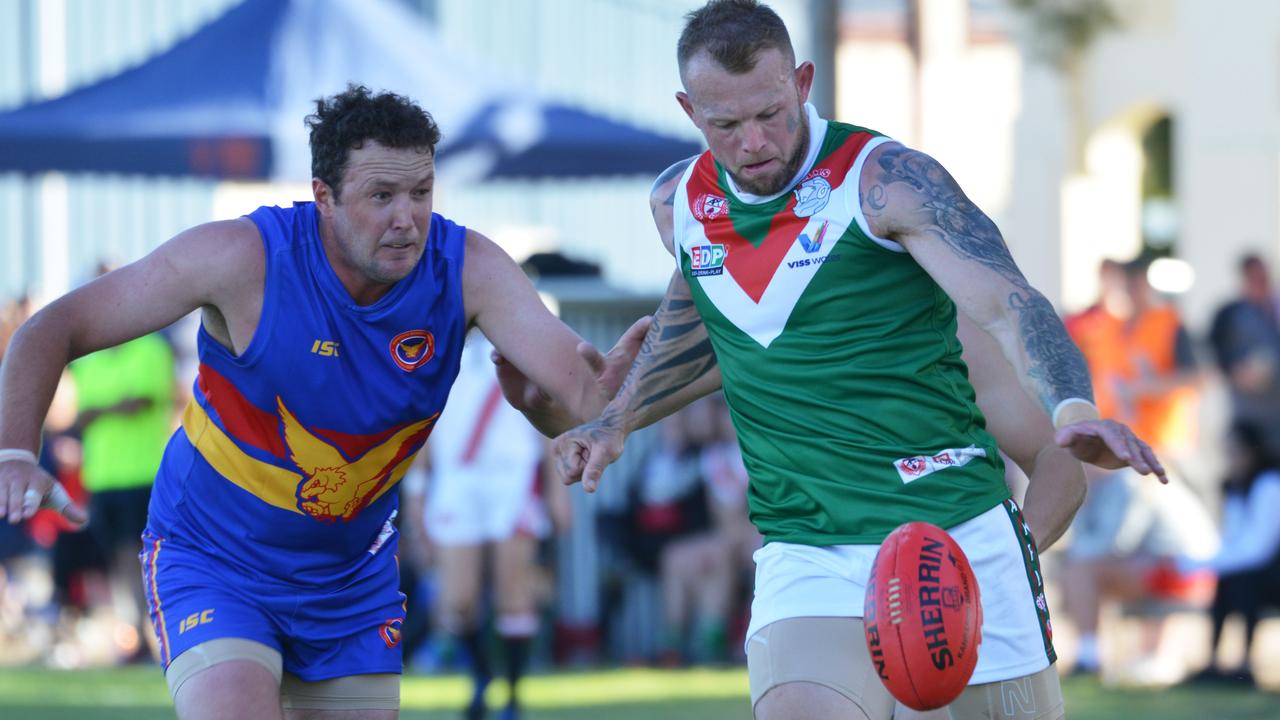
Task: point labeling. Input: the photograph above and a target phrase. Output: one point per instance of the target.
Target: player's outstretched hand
(585, 451)
(1109, 444)
(609, 371)
(26, 488)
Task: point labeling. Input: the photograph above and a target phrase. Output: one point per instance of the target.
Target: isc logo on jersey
(707, 260)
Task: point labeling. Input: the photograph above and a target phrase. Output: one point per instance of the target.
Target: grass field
(140, 694)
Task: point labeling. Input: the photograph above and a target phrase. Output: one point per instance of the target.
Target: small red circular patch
(412, 349)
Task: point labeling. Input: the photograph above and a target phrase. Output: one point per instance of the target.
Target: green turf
(140, 694)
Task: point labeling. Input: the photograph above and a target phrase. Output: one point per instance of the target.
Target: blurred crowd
(75, 597)
(1145, 551)
(480, 514)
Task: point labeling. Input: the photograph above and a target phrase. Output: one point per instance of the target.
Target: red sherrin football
(923, 616)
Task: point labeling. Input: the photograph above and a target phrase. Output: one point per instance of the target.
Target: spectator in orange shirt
(1127, 535)
(1098, 329)
(1140, 356)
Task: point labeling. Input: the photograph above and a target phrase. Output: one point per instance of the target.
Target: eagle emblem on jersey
(411, 350)
(710, 207)
(334, 488)
(812, 195)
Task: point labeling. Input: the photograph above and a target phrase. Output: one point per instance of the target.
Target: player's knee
(515, 593)
(814, 667)
(804, 700)
(519, 600)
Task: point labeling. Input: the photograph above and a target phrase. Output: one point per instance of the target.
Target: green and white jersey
(839, 355)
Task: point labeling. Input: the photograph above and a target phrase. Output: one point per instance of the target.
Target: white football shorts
(484, 461)
(473, 507)
(809, 581)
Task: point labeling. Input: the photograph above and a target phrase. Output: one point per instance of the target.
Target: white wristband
(7, 454)
(1057, 411)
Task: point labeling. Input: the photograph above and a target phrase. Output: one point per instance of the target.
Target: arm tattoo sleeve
(1055, 363)
(675, 353)
(671, 173)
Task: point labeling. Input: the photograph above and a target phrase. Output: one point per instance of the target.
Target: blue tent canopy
(229, 102)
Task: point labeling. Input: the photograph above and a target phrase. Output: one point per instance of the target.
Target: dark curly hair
(733, 32)
(343, 123)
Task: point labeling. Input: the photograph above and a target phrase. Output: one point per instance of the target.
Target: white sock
(1087, 651)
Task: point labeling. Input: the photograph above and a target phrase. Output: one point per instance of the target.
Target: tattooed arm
(662, 201)
(676, 364)
(1056, 485)
(910, 198)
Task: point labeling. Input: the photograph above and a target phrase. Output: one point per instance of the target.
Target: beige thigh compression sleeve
(828, 651)
(207, 654)
(1034, 697)
(354, 692)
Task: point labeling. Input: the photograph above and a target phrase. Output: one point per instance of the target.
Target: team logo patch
(707, 260)
(710, 207)
(913, 468)
(390, 631)
(412, 349)
(812, 195)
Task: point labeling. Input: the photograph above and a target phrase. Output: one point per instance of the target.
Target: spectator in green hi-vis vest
(125, 415)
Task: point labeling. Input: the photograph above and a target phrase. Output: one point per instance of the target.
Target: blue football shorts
(321, 633)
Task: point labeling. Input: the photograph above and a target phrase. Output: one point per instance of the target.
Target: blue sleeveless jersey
(286, 463)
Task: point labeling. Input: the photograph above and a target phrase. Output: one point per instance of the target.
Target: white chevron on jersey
(765, 321)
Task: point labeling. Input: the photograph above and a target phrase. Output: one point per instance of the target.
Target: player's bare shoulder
(224, 264)
(881, 202)
(224, 258)
(663, 192)
(483, 256)
(662, 199)
(216, 267)
(489, 277)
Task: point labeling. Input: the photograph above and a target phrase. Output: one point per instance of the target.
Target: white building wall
(1066, 194)
(1228, 142)
(969, 99)
(1217, 75)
